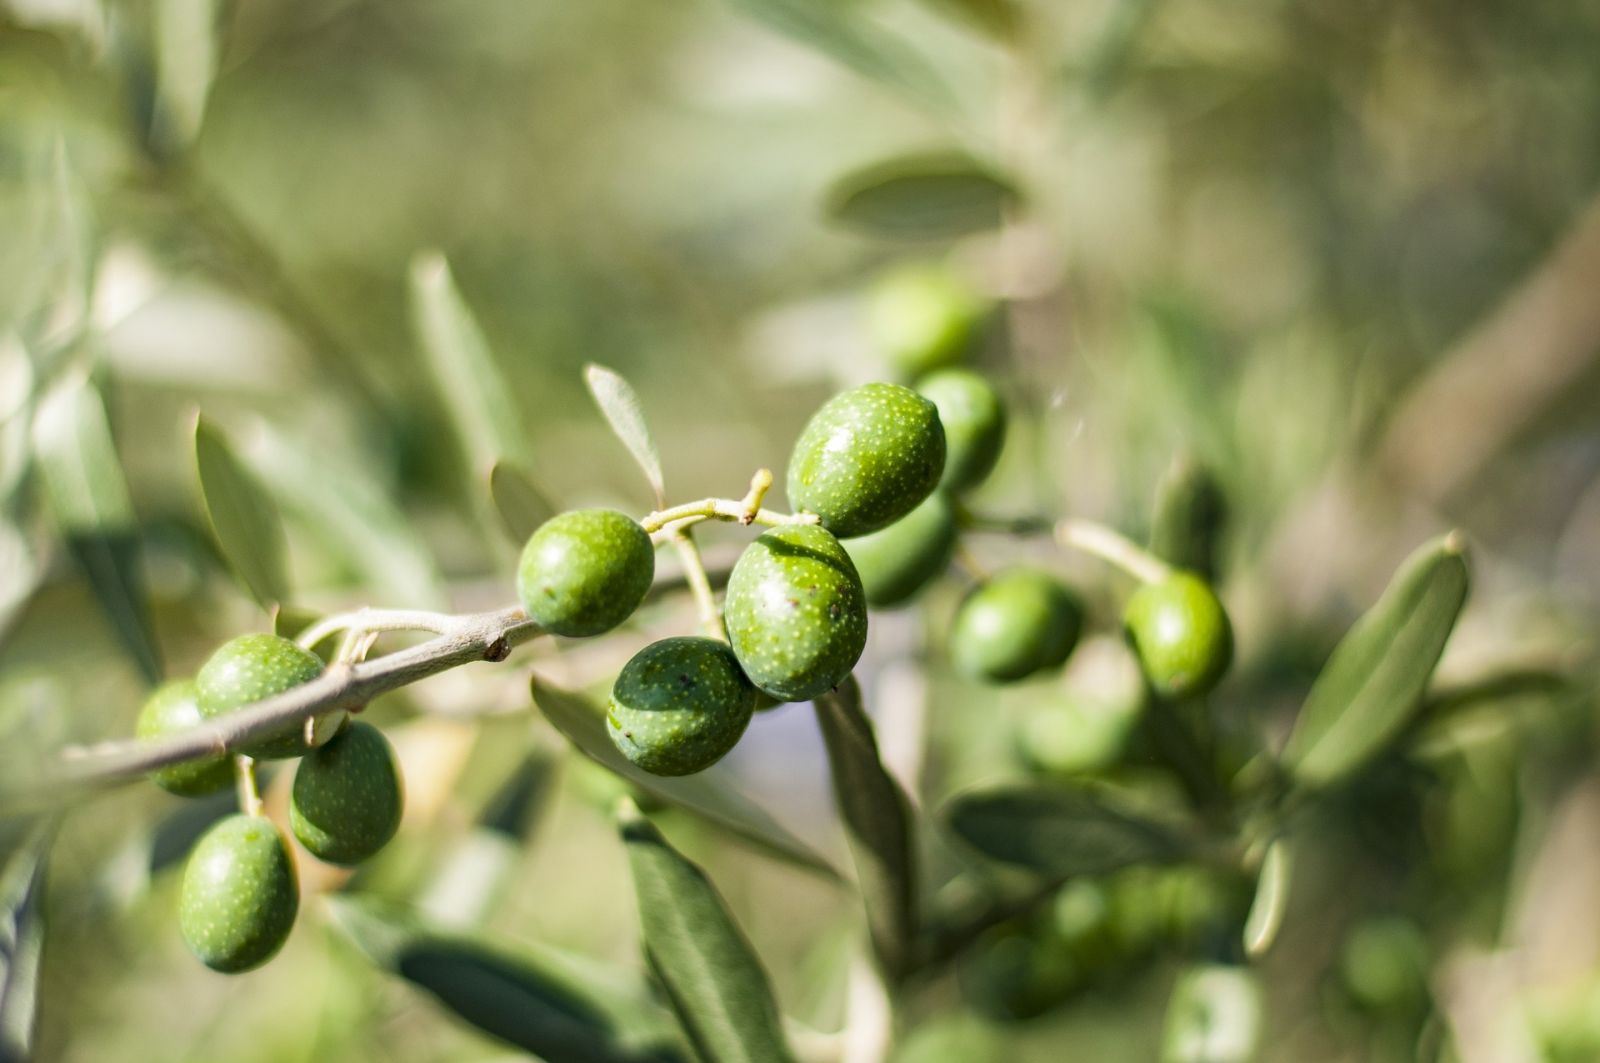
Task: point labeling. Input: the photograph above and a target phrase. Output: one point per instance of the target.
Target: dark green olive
(347, 800)
(898, 561)
(680, 705)
(1015, 624)
(585, 571)
(922, 316)
(868, 457)
(239, 896)
(974, 422)
(170, 709)
(796, 613)
(248, 669)
(1181, 633)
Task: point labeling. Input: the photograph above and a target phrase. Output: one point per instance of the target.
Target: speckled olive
(239, 895)
(922, 316)
(680, 705)
(974, 421)
(796, 612)
(868, 457)
(246, 670)
(169, 710)
(346, 800)
(585, 571)
(1015, 624)
(898, 561)
(1181, 633)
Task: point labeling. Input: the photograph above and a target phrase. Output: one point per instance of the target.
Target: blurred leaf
(920, 197)
(876, 817)
(243, 517)
(186, 64)
(561, 1009)
(1110, 55)
(620, 405)
(998, 18)
(1214, 1016)
(22, 943)
(19, 574)
(464, 370)
(840, 31)
(1060, 831)
(705, 794)
(353, 517)
(1190, 518)
(1509, 686)
(712, 976)
(1375, 678)
(84, 485)
(518, 500)
(1271, 900)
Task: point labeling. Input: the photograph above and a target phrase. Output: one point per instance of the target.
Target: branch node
(498, 650)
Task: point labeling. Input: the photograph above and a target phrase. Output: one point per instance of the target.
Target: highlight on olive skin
(680, 705)
(239, 895)
(1015, 624)
(585, 571)
(1181, 633)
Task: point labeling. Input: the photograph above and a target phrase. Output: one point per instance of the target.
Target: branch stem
(244, 774)
(666, 521)
(373, 620)
(1111, 546)
(694, 573)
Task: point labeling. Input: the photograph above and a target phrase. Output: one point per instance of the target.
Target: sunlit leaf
(707, 794)
(464, 370)
(1060, 831)
(715, 982)
(243, 517)
(84, 485)
(518, 500)
(559, 1008)
(1214, 1016)
(186, 65)
(22, 943)
(920, 197)
(1271, 900)
(1374, 681)
(620, 405)
(877, 822)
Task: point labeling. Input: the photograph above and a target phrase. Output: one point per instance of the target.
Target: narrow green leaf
(620, 405)
(22, 942)
(707, 794)
(712, 976)
(1271, 900)
(464, 371)
(560, 1008)
(920, 197)
(1214, 1016)
(518, 500)
(1060, 831)
(86, 491)
(1374, 681)
(243, 517)
(186, 65)
(1113, 49)
(1190, 516)
(998, 18)
(877, 821)
(841, 31)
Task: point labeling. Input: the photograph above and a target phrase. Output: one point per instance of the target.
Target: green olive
(248, 669)
(239, 896)
(922, 316)
(1015, 624)
(680, 705)
(898, 561)
(1181, 634)
(974, 420)
(170, 709)
(585, 571)
(346, 801)
(796, 612)
(866, 458)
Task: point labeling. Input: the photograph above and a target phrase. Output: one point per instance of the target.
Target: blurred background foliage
(1344, 254)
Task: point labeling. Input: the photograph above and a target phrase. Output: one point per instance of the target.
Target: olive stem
(1111, 546)
(746, 510)
(694, 573)
(244, 774)
(361, 621)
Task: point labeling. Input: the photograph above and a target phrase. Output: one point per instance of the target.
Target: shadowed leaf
(22, 943)
(1060, 831)
(920, 197)
(520, 503)
(243, 517)
(620, 405)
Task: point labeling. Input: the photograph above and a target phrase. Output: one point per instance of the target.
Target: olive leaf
(1190, 514)
(561, 1008)
(706, 794)
(1374, 681)
(716, 984)
(1112, 51)
(186, 64)
(998, 18)
(518, 500)
(464, 370)
(929, 196)
(22, 942)
(1214, 1016)
(876, 817)
(1271, 900)
(243, 517)
(1062, 831)
(88, 496)
(620, 405)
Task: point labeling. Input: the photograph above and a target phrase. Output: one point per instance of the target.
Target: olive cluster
(240, 896)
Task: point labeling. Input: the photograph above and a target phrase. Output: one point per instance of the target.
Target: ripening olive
(898, 561)
(585, 571)
(974, 421)
(239, 895)
(922, 316)
(680, 705)
(347, 800)
(248, 669)
(170, 709)
(1014, 624)
(1181, 633)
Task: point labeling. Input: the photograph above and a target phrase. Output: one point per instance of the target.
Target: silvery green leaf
(620, 405)
(518, 500)
(243, 517)
(1271, 899)
(932, 196)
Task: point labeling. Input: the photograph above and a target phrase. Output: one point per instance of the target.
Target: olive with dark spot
(170, 709)
(585, 571)
(249, 669)
(898, 561)
(1015, 624)
(679, 705)
(347, 797)
(239, 895)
